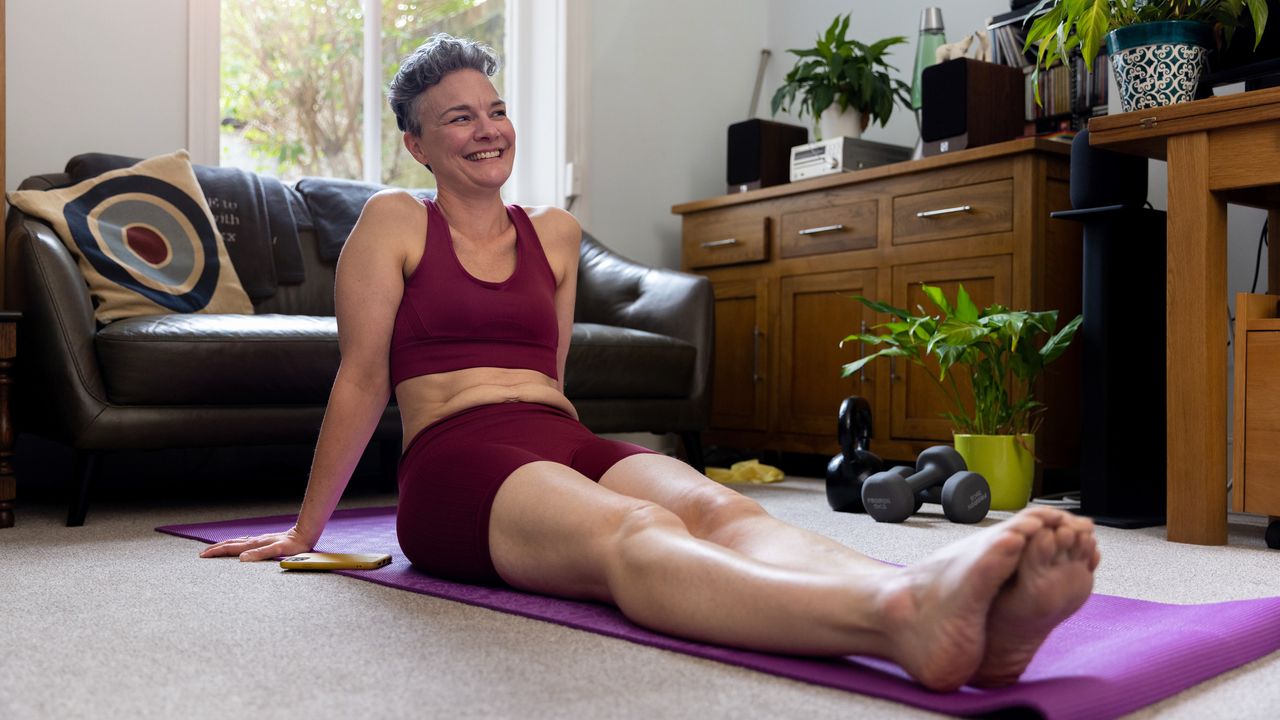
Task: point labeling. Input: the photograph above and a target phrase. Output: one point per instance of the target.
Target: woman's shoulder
(555, 226)
(392, 213)
(392, 224)
(392, 202)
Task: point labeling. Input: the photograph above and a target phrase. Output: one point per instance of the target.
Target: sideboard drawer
(725, 237)
(827, 230)
(954, 212)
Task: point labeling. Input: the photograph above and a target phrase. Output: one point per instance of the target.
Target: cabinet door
(1261, 465)
(738, 395)
(816, 312)
(917, 402)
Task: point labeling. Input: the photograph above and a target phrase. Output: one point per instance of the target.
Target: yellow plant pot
(1006, 461)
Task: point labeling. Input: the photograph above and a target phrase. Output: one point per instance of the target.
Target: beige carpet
(115, 620)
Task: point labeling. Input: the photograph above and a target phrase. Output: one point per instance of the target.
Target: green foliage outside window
(293, 86)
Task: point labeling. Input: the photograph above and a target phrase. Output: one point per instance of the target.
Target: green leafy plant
(1084, 24)
(995, 347)
(843, 72)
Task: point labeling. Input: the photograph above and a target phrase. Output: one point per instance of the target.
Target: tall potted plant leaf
(1003, 352)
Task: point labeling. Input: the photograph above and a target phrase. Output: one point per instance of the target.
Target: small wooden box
(1256, 414)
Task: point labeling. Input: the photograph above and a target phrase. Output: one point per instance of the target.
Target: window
(297, 87)
(293, 78)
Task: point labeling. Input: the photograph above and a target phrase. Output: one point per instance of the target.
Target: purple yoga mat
(1112, 657)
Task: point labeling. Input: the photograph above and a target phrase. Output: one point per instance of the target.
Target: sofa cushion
(293, 359)
(334, 206)
(253, 212)
(615, 362)
(144, 240)
(219, 359)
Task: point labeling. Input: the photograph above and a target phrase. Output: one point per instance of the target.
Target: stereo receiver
(842, 154)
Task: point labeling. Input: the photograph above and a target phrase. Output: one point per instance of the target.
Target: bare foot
(1053, 579)
(936, 613)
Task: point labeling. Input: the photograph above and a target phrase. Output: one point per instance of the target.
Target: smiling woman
(463, 307)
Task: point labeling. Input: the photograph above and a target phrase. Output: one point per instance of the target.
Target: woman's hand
(261, 547)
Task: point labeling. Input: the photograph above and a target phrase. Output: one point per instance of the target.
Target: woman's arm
(561, 238)
(370, 283)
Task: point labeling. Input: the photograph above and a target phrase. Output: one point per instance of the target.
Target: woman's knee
(644, 517)
(717, 510)
(638, 535)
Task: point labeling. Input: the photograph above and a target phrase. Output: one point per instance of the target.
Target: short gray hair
(427, 66)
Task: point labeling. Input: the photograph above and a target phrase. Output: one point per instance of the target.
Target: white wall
(86, 75)
(665, 80)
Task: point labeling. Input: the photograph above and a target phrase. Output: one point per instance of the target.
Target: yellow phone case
(335, 561)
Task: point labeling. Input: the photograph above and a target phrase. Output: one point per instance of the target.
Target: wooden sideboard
(786, 261)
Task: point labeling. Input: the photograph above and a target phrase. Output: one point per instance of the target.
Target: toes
(1085, 547)
(1065, 537)
(1008, 545)
(1027, 522)
(1048, 517)
(1043, 547)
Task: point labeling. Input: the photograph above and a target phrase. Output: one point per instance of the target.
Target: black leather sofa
(640, 358)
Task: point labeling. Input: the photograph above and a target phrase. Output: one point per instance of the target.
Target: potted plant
(1157, 47)
(842, 83)
(996, 348)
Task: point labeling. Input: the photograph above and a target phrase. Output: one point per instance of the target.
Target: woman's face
(466, 135)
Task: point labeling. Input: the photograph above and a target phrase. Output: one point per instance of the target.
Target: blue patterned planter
(1158, 63)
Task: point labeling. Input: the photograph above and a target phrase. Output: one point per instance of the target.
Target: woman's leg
(554, 531)
(726, 517)
(722, 515)
(1054, 575)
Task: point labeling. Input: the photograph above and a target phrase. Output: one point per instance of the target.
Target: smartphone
(335, 561)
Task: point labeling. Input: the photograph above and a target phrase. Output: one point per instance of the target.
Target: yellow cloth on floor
(750, 472)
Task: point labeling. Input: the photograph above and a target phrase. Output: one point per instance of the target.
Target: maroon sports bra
(449, 320)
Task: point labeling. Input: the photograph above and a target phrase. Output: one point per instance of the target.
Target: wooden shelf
(960, 157)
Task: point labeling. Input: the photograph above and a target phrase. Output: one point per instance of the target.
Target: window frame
(542, 37)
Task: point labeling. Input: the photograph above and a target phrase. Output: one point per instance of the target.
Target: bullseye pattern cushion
(144, 239)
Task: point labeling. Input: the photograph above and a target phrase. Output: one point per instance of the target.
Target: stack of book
(1007, 40)
(1069, 93)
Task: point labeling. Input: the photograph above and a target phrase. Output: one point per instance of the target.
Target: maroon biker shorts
(452, 469)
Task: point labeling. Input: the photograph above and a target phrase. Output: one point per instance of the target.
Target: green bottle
(932, 37)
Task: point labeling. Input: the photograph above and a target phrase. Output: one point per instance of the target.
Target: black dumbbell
(855, 463)
(845, 480)
(966, 497)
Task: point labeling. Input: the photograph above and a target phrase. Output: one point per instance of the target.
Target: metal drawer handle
(720, 243)
(945, 211)
(823, 229)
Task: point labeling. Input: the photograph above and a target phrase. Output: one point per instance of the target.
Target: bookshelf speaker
(760, 153)
(967, 103)
(1101, 178)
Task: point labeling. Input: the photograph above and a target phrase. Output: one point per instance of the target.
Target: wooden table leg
(1196, 347)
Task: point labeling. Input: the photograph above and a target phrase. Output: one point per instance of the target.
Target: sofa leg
(693, 450)
(86, 465)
